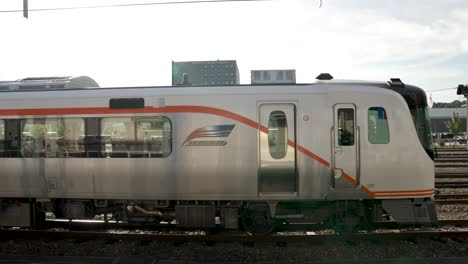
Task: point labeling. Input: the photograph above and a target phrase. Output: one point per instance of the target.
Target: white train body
(232, 145)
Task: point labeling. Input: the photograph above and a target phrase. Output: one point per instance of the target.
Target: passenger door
(345, 147)
(277, 157)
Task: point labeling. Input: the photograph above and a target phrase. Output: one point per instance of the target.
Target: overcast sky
(424, 43)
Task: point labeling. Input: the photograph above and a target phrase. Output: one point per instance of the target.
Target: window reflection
(278, 134)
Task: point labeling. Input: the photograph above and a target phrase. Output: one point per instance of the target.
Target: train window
(33, 132)
(2, 138)
(346, 127)
(118, 135)
(53, 138)
(128, 137)
(71, 133)
(154, 136)
(278, 134)
(2, 130)
(378, 132)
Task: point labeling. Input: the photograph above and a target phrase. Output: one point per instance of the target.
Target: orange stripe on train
(202, 110)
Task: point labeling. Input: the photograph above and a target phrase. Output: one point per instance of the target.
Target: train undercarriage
(256, 217)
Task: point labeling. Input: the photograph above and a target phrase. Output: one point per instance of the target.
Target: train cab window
(346, 127)
(378, 132)
(128, 137)
(278, 134)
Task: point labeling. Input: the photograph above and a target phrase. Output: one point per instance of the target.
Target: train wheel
(257, 220)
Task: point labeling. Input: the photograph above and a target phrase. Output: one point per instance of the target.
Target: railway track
(451, 175)
(451, 165)
(451, 159)
(238, 237)
(451, 196)
(451, 149)
(452, 184)
(443, 199)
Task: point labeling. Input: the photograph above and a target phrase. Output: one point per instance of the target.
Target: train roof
(27, 85)
(414, 96)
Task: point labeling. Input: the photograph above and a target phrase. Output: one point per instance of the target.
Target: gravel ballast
(238, 252)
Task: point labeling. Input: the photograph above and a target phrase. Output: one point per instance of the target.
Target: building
(439, 116)
(205, 73)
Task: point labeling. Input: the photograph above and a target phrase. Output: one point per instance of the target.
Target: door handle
(338, 173)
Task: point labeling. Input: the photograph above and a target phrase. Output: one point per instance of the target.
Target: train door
(345, 147)
(277, 157)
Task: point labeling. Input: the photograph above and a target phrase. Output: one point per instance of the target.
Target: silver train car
(348, 153)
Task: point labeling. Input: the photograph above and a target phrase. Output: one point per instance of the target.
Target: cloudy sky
(422, 42)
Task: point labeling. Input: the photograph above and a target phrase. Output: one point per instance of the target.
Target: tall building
(217, 73)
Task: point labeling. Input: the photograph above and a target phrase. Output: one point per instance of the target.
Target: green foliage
(454, 125)
(38, 131)
(454, 104)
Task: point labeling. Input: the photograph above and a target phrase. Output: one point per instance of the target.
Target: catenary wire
(440, 90)
(128, 5)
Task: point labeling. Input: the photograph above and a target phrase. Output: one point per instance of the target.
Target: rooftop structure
(41, 83)
(273, 76)
(214, 73)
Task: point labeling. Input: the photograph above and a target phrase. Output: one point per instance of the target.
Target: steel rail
(453, 185)
(452, 201)
(458, 165)
(451, 160)
(456, 222)
(451, 155)
(437, 150)
(451, 175)
(277, 237)
(451, 196)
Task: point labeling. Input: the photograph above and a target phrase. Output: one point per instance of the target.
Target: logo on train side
(196, 137)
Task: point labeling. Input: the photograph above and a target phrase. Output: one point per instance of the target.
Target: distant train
(247, 156)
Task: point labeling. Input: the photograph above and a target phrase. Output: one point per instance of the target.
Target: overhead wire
(444, 89)
(128, 5)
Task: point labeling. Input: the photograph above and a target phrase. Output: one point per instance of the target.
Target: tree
(454, 125)
(454, 104)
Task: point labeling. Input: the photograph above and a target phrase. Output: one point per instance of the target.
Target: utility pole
(463, 90)
(25, 8)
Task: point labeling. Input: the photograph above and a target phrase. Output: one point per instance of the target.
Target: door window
(278, 134)
(346, 127)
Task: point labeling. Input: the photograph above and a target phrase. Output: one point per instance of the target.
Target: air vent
(33, 87)
(45, 83)
(273, 77)
(324, 77)
(56, 86)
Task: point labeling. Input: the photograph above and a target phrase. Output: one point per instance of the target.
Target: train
(348, 153)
